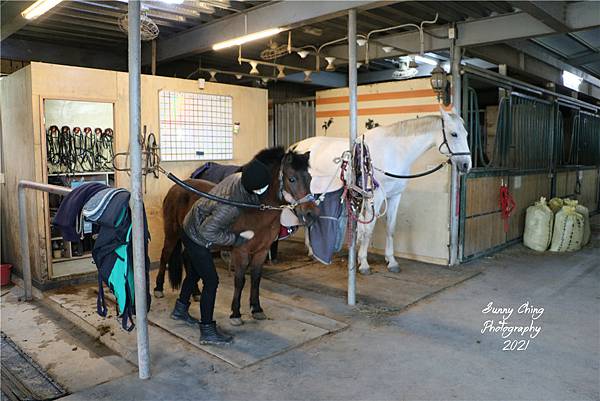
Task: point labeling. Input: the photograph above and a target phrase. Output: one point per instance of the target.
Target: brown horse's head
(291, 181)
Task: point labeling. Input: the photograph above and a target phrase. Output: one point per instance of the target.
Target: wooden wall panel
(565, 183)
(483, 232)
(525, 190)
(19, 156)
(482, 195)
(249, 109)
(24, 146)
(589, 189)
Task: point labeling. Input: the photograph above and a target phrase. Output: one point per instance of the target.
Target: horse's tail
(175, 266)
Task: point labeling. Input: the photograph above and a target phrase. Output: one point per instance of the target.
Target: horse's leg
(364, 234)
(392, 213)
(255, 274)
(168, 248)
(307, 243)
(239, 261)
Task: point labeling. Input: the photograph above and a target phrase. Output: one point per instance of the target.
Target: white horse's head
(453, 142)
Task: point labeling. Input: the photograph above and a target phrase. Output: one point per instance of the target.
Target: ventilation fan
(148, 29)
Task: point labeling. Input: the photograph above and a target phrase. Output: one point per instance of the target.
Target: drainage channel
(22, 378)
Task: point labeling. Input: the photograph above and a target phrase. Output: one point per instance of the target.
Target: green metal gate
(535, 138)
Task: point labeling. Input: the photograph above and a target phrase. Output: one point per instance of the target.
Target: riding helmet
(255, 176)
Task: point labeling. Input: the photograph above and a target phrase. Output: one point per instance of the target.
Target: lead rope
(507, 204)
(358, 198)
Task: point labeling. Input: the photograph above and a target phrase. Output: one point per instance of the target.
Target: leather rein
(282, 195)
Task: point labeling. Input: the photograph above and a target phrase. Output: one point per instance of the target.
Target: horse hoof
(259, 316)
(236, 321)
(196, 298)
(365, 272)
(394, 269)
(159, 294)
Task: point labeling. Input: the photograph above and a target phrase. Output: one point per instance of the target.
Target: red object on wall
(507, 204)
(5, 274)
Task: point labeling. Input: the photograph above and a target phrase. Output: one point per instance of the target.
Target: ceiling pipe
(419, 28)
(267, 63)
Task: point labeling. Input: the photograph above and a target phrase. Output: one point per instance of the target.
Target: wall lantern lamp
(439, 84)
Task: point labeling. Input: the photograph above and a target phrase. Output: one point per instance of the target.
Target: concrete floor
(434, 349)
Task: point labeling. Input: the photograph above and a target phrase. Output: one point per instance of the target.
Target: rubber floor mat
(22, 378)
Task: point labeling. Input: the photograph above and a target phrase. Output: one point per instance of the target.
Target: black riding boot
(210, 334)
(180, 312)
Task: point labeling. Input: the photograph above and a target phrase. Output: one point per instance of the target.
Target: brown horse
(290, 180)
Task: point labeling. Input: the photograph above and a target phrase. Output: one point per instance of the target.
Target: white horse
(394, 148)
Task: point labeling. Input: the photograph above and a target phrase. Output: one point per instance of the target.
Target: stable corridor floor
(415, 335)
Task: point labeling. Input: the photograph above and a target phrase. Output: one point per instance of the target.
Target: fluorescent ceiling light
(425, 60)
(387, 49)
(247, 38)
(361, 41)
(571, 80)
(38, 8)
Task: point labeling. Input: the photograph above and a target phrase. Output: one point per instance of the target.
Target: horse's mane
(273, 156)
(270, 156)
(411, 127)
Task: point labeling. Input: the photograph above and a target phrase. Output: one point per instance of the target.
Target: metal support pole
(454, 177)
(23, 229)
(136, 202)
(352, 88)
(154, 57)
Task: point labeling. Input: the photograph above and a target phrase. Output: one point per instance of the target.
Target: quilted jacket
(209, 222)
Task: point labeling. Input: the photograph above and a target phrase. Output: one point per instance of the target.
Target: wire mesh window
(195, 126)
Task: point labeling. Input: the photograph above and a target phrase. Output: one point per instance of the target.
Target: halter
(285, 195)
(445, 142)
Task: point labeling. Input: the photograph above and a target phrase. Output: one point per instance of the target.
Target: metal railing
(293, 121)
(531, 134)
(23, 229)
(585, 140)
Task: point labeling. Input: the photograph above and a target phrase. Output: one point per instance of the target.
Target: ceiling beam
(551, 13)
(479, 32)
(590, 57)
(27, 50)
(278, 14)
(549, 69)
(534, 51)
(12, 20)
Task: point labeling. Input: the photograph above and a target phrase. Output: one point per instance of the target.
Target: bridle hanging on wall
(76, 151)
(150, 156)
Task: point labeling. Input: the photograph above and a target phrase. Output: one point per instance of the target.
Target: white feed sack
(539, 220)
(568, 230)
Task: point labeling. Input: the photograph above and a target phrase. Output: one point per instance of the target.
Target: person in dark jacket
(210, 223)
